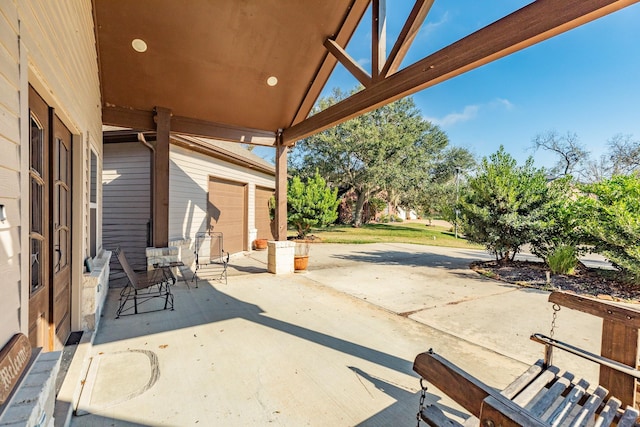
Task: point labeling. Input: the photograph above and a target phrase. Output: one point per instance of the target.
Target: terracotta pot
(300, 263)
(260, 244)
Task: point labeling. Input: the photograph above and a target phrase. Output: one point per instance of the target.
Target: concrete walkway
(330, 347)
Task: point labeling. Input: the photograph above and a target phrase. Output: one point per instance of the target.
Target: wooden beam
(346, 30)
(532, 24)
(196, 127)
(128, 118)
(620, 343)
(378, 37)
(281, 192)
(144, 120)
(160, 175)
(407, 35)
(627, 316)
(466, 390)
(349, 63)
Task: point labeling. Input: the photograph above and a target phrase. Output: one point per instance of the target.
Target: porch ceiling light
(139, 45)
(272, 81)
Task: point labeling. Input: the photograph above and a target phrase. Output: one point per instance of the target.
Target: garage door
(227, 210)
(263, 221)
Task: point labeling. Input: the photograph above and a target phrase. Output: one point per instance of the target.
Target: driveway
(330, 347)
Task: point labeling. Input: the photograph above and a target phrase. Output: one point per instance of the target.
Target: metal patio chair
(210, 257)
(142, 287)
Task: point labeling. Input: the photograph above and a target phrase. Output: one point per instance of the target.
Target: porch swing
(546, 395)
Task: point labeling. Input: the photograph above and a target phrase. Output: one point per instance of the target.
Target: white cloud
(470, 112)
(430, 27)
(504, 102)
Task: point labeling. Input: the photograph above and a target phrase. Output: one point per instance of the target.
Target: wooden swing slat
(590, 407)
(523, 380)
(568, 404)
(608, 413)
(547, 397)
(536, 386)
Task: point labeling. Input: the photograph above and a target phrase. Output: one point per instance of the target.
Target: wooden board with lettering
(14, 358)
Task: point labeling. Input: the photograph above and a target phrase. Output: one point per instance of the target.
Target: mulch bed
(596, 282)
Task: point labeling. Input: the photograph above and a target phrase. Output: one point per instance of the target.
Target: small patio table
(167, 270)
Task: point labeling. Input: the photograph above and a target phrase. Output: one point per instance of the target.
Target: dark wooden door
(39, 131)
(50, 227)
(61, 234)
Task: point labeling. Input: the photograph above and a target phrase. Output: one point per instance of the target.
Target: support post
(281, 189)
(378, 38)
(160, 178)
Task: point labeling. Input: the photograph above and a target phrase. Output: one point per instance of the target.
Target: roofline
(192, 144)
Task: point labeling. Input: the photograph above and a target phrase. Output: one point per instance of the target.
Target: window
(93, 205)
(37, 203)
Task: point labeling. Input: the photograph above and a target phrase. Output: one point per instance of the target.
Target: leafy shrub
(563, 260)
(396, 218)
(376, 205)
(502, 206)
(609, 219)
(558, 221)
(384, 218)
(311, 204)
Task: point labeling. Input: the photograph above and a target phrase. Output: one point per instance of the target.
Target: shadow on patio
(303, 355)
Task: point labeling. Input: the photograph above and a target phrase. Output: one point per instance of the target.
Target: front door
(61, 233)
(50, 227)
(39, 225)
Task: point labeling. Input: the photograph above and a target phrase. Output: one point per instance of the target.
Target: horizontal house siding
(10, 245)
(51, 45)
(61, 46)
(189, 180)
(126, 184)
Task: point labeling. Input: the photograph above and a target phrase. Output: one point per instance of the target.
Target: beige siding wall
(126, 184)
(51, 45)
(10, 165)
(189, 178)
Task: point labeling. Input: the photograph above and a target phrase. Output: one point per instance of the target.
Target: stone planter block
(280, 256)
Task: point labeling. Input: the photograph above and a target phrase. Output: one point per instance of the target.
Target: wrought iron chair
(142, 287)
(210, 257)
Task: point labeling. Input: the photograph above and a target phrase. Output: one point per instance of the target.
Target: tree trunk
(357, 212)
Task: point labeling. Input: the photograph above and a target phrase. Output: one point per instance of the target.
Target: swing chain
(556, 309)
(423, 396)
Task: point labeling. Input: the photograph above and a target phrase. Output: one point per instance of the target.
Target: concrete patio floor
(333, 346)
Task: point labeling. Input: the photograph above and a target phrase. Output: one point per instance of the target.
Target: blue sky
(585, 81)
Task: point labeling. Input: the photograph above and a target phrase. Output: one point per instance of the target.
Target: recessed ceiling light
(139, 45)
(272, 81)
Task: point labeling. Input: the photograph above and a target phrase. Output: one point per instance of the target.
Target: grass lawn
(404, 232)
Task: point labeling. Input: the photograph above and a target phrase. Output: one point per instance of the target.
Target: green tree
(502, 205)
(558, 222)
(610, 221)
(311, 204)
(392, 148)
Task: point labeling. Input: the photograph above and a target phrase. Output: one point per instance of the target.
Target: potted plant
(260, 244)
(301, 256)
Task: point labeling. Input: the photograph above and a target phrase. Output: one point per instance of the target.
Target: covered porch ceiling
(212, 63)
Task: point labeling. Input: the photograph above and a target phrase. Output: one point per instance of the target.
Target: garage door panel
(227, 207)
